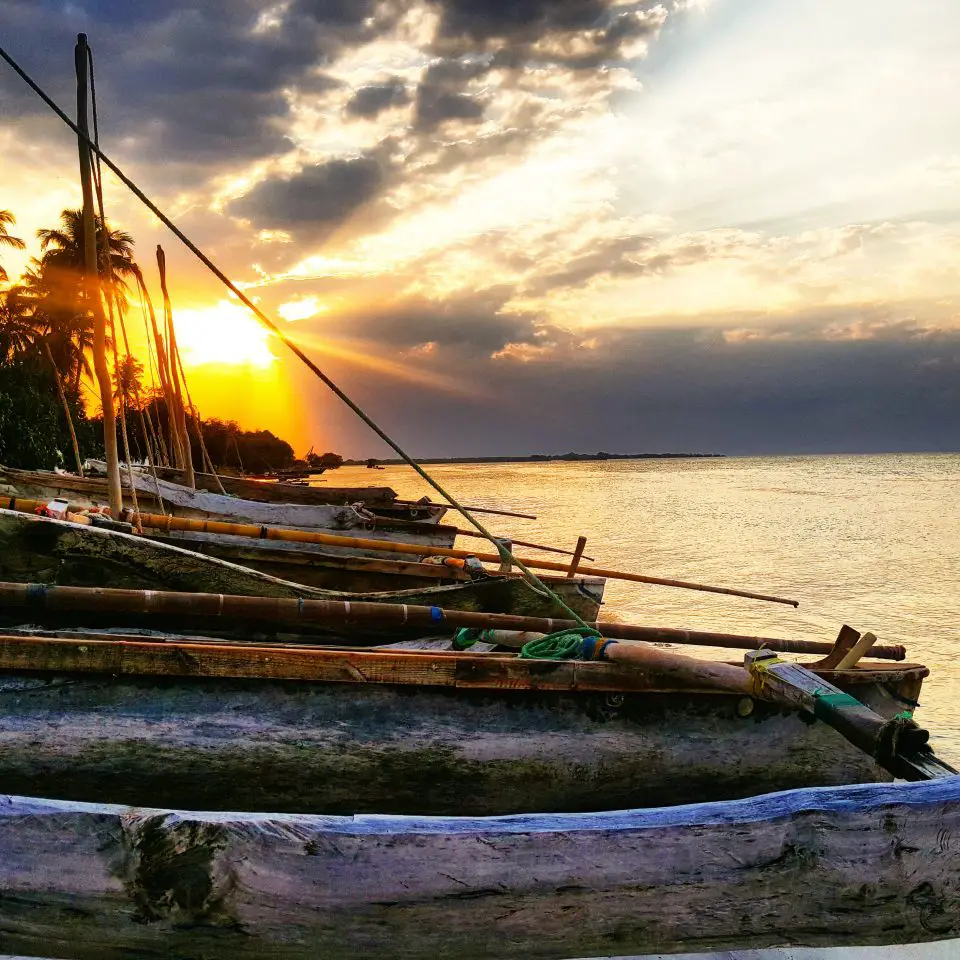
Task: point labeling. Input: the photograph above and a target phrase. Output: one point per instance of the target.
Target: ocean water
(872, 541)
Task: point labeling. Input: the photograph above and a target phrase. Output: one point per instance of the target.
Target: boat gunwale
(196, 659)
(768, 807)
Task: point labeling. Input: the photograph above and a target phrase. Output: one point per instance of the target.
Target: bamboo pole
(163, 369)
(66, 408)
(181, 418)
(339, 613)
(252, 530)
(92, 284)
(532, 546)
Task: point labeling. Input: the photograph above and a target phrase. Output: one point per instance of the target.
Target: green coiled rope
(569, 644)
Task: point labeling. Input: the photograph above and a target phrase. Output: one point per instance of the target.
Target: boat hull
(176, 500)
(39, 550)
(817, 867)
(361, 747)
(314, 565)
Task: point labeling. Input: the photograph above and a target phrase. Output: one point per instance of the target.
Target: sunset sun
(225, 333)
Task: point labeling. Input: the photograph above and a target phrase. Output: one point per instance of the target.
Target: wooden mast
(92, 284)
(179, 413)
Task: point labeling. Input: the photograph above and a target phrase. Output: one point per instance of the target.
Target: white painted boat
(180, 501)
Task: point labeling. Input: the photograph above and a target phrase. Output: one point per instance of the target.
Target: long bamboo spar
(91, 280)
(339, 613)
(252, 530)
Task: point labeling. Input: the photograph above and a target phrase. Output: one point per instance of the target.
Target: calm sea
(872, 541)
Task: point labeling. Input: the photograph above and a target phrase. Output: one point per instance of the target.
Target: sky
(531, 226)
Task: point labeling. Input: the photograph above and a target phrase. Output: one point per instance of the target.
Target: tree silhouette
(7, 219)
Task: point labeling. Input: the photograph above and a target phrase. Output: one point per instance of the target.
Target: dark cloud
(440, 93)
(630, 256)
(195, 82)
(319, 196)
(473, 325)
(374, 99)
(578, 34)
(679, 388)
(517, 20)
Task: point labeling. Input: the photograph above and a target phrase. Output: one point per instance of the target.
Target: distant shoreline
(539, 458)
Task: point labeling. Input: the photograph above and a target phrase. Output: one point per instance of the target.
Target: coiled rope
(573, 643)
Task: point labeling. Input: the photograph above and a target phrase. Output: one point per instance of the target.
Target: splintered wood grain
(852, 865)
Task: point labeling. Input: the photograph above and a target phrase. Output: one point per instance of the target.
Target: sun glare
(222, 334)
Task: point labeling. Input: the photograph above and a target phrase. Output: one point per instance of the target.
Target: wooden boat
(373, 498)
(203, 725)
(182, 501)
(41, 550)
(314, 565)
(851, 865)
(381, 501)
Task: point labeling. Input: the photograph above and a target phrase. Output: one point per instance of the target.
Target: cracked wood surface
(850, 865)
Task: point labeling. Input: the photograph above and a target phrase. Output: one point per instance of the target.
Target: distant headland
(537, 458)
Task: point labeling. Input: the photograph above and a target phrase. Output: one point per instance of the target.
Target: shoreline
(538, 458)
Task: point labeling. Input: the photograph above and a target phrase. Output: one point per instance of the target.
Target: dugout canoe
(181, 501)
(41, 550)
(199, 724)
(851, 865)
(314, 565)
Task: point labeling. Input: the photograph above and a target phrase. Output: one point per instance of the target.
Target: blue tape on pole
(436, 613)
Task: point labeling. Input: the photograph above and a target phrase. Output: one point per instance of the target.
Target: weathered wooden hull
(359, 732)
(314, 565)
(39, 550)
(838, 866)
(180, 501)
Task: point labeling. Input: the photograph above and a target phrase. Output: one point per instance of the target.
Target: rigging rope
(505, 554)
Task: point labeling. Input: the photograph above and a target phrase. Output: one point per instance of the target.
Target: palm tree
(7, 219)
(63, 249)
(18, 328)
(57, 277)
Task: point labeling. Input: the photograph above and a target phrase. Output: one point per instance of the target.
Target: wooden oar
(163, 522)
(339, 613)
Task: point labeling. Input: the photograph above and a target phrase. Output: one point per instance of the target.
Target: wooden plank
(846, 639)
(862, 865)
(253, 661)
(577, 554)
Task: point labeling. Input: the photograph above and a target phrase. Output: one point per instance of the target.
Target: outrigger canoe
(381, 501)
(312, 564)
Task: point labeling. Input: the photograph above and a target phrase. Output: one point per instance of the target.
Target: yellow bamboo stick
(167, 523)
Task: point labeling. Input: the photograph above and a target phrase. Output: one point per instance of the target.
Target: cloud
(374, 99)
(673, 388)
(316, 198)
(440, 96)
(473, 325)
